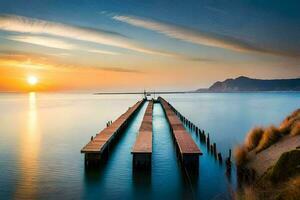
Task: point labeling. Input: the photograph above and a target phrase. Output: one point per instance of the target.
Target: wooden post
(220, 158)
(228, 163)
(208, 142)
(201, 136)
(215, 150)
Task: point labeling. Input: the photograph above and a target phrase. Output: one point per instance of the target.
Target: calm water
(41, 136)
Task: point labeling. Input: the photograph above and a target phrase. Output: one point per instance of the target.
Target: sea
(41, 135)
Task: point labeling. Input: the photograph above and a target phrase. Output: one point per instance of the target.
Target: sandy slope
(265, 159)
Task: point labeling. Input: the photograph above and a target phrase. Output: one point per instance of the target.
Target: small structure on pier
(142, 149)
(187, 149)
(98, 147)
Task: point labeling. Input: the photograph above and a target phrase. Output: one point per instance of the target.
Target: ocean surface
(41, 136)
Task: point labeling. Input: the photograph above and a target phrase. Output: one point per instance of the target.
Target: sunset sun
(32, 80)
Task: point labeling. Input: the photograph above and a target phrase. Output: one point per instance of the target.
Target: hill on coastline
(246, 84)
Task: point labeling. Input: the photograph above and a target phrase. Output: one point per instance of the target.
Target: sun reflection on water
(29, 153)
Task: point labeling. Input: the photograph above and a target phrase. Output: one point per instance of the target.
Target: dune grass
(253, 138)
(291, 190)
(260, 138)
(240, 155)
(287, 124)
(280, 182)
(296, 129)
(288, 190)
(270, 136)
(285, 167)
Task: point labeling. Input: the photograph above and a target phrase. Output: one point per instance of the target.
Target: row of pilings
(205, 139)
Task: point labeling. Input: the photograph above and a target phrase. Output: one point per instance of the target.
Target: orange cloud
(54, 75)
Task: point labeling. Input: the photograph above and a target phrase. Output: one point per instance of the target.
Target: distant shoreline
(195, 92)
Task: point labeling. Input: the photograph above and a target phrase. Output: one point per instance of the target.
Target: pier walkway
(187, 149)
(99, 145)
(142, 149)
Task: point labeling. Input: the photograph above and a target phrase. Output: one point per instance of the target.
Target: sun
(32, 80)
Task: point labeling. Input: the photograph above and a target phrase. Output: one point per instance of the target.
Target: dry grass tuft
(287, 124)
(291, 189)
(253, 138)
(247, 193)
(270, 136)
(296, 129)
(240, 155)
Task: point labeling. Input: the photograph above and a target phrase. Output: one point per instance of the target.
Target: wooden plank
(185, 143)
(183, 139)
(101, 140)
(143, 142)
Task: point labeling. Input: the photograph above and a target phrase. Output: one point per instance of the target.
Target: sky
(132, 45)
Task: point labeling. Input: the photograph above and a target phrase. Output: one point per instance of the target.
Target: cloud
(42, 41)
(198, 37)
(45, 62)
(102, 52)
(22, 24)
(120, 69)
(55, 43)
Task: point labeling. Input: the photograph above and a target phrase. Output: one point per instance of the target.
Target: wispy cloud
(102, 52)
(47, 41)
(45, 62)
(198, 37)
(42, 41)
(22, 24)
(120, 69)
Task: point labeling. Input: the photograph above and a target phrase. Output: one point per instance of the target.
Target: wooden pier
(187, 149)
(142, 149)
(98, 147)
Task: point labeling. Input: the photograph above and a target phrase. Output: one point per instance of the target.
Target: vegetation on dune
(241, 155)
(260, 138)
(286, 166)
(253, 138)
(270, 136)
(296, 129)
(288, 190)
(280, 182)
(289, 122)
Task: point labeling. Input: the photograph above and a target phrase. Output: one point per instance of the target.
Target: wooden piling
(228, 163)
(220, 158)
(208, 141)
(215, 149)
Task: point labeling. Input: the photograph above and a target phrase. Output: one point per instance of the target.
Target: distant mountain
(245, 84)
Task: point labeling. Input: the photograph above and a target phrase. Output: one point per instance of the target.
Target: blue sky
(211, 40)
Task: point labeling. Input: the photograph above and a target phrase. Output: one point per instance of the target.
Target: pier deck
(98, 147)
(142, 149)
(186, 147)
